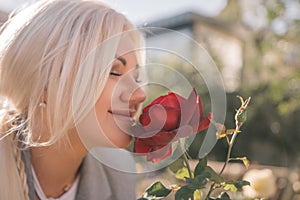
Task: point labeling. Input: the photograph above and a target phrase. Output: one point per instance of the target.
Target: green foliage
(184, 193)
(198, 182)
(201, 166)
(242, 117)
(176, 165)
(235, 186)
(230, 186)
(156, 191)
(203, 173)
(240, 184)
(182, 174)
(214, 176)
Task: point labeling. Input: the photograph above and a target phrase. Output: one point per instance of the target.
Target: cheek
(116, 134)
(112, 131)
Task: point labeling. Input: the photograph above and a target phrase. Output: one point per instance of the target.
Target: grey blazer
(97, 181)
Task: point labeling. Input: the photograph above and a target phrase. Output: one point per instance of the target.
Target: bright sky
(141, 11)
(144, 11)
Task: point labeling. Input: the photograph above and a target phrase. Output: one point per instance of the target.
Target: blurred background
(256, 46)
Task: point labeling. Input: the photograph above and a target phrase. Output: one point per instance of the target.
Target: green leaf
(200, 166)
(241, 114)
(240, 184)
(230, 186)
(156, 190)
(198, 182)
(235, 186)
(175, 166)
(214, 175)
(197, 195)
(183, 173)
(184, 193)
(242, 117)
(142, 198)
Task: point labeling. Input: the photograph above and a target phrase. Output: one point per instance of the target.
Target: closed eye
(115, 74)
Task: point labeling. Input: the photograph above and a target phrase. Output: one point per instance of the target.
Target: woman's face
(121, 97)
(108, 124)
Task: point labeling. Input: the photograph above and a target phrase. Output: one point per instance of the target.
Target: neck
(57, 166)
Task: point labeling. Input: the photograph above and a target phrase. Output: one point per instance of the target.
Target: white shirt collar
(69, 195)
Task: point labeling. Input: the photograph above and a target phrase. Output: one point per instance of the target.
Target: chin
(122, 141)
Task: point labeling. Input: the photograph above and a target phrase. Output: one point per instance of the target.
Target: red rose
(165, 120)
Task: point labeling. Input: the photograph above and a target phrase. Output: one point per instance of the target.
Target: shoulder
(110, 179)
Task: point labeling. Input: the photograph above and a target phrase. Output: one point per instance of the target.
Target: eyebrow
(124, 62)
(121, 59)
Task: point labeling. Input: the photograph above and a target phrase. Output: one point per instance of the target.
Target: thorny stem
(229, 149)
(186, 160)
(230, 144)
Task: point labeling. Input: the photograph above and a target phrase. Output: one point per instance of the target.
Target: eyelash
(116, 74)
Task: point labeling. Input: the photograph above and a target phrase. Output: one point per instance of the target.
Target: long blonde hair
(49, 52)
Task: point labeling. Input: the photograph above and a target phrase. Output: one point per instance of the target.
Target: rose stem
(237, 128)
(227, 160)
(185, 159)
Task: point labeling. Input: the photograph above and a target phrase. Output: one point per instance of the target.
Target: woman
(69, 72)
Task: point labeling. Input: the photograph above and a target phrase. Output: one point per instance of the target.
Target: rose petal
(173, 119)
(172, 100)
(188, 108)
(160, 118)
(204, 123)
(140, 148)
(160, 139)
(154, 119)
(140, 132)
(155, 101)
(200, 106)
(183, 131)
(160, 154)
(137, 131)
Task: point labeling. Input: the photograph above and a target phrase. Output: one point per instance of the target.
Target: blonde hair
(51, 52)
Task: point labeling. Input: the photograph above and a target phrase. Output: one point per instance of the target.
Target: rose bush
(171, 117)
(165, 120)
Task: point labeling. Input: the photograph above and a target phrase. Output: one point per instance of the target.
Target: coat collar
(94, 183)
(93, 180)
(97, 181)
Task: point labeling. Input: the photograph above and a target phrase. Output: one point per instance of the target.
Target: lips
(123, 115)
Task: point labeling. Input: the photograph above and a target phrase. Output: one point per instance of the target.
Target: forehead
(126, 45)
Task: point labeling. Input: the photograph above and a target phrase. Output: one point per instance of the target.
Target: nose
(137, 97)
(132, 93)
